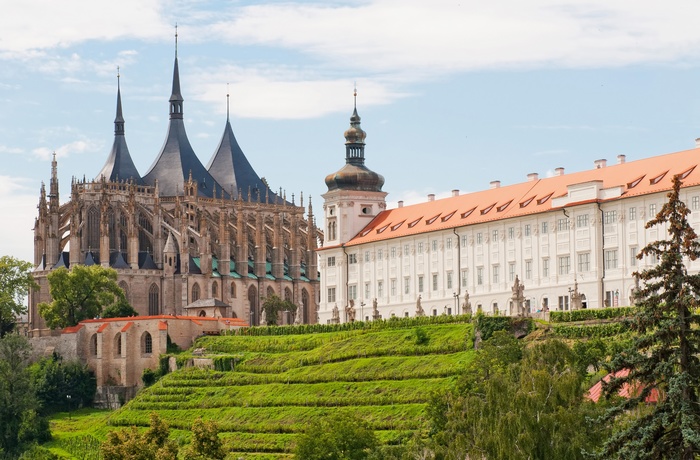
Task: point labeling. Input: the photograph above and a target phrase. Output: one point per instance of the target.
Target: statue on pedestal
(299, 314)
(519, 298)
(263, 317)
(466, 305)
(419, 307)
(375, 310)
(336, 315)
(350, 311)
(576, 298)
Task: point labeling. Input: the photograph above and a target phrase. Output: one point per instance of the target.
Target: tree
(130, 444)
(206, 444)
(272, 305)
(78, 294)
(339, 437)
(15, 282)
(516, 403)
(54, 380)
(119, 309)
(19, 422)
(664, 352)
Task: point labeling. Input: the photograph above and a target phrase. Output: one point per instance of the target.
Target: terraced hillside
(268, 388)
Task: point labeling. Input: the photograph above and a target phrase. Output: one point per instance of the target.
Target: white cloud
(18, 200)
(66, 150)
(410, 197)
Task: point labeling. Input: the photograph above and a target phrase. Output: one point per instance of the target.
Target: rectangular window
(695, 203)
(545, 267)
(478, 238)
(495, 272)
(652, 211)
(632, 214)
(562, 225)
(380, 254)
(511, 233)
(420, 284)
(465, 274)
(393, 253)
(331, 261)
(527, 230)
(582, 221)
(420, 248)
(584, 262)
(366, 290)
(435, 282)
(511, 272)
(465, 241)
(434, 245)
(480, 275)
(545, 227)
(352, 292)
(448, 243)
(494, 235)
(610, 217)
(407, 285)
(380, 288)
(563, 302)
(633, 255)
(393, 288)
(352, 258)
(610, 259)
(528, 269)
(331, 295)
(366, 256)
(449, 280)
(564, 265)
(406, 250)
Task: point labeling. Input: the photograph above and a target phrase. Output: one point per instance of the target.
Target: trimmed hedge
(590, 314)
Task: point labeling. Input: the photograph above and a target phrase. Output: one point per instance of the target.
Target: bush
(148, 377)
(421, 337)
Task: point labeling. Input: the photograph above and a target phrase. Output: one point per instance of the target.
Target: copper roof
(634, 178)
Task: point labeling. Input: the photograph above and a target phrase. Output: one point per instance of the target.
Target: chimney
(532, 177)
(455, 192)
(431, 197)
(621, 159)
(697, 143)
(400, 203)
(600, 163)
(495, 184)
(559, 171)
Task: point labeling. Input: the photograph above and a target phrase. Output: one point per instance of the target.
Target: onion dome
(355, 175)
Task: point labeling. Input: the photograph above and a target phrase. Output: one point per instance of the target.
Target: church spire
(176, 99)
(355, 137)
(119, 119)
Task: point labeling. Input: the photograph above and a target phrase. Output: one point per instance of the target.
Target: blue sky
(452, 94)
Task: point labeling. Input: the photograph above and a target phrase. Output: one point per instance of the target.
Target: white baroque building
(576, 233)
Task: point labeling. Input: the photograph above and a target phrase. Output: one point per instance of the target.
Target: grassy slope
(279, 384)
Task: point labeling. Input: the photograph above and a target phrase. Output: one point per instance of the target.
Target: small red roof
(71, 329)
(162, 326)
(595, 392)
(127, 326)
(103, 327)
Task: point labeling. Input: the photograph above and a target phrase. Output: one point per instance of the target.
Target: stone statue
(350, 311)
(466, 305)
(375, 310)
(336, 315)
(263, 317)
(576, 298)
(419, 307)
(519, 298)
(299, 314)
(634, 293)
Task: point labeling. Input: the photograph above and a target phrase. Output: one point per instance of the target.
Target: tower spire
(119, 119)
(176, 99)
(228, 104)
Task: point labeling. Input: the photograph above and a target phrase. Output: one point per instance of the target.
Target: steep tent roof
(119, 165)
(177, 159)
(230, 167)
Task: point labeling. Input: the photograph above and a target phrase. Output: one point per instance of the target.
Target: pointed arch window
(146, 343)
(195, 292)
(153, 300)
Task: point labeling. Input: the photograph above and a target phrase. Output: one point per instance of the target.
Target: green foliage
(55, 380)
(590, 353)
(119, 309)
(590, 331)
(81, 293)
(36, 452)
(590, 314)
(148, 377)
(421, 337)
(515, 403)
(15, 282)
(663, 354)
(487, 325)
(19, 423)
(206, 443)
(339, 437)
(130, 444)
(272, 305)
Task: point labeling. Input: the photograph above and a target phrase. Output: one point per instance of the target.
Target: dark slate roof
(177, 159)
(63, 260)
(119, 165)
(232, 170)
(146, 261)
(89, 259)
(116, 260)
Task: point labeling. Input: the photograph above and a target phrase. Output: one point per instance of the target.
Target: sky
(452, 94)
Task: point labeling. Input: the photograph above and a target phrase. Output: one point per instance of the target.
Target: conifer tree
(663, 355)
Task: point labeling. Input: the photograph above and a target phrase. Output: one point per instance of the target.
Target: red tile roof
(634, 178)
(595, 392)
(127, 326)
(162, 325)
(101, 328)
(71, 329)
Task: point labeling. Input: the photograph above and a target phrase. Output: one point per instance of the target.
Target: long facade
(183, 232)
(555, 243)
